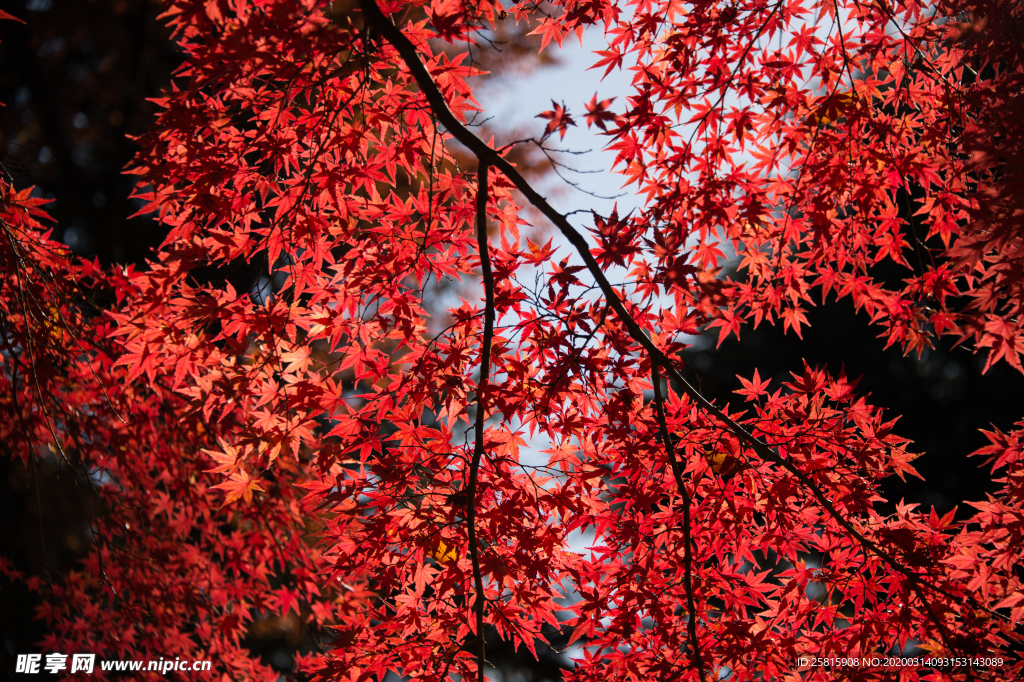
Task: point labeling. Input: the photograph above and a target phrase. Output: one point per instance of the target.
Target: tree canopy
(360, 387)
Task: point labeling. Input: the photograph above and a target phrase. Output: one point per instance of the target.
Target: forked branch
(375, 18)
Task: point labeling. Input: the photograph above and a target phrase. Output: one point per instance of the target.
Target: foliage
(344, 443)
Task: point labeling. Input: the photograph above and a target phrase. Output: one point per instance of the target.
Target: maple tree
(343, 444)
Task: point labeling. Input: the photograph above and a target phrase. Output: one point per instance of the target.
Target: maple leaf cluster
(350, 441)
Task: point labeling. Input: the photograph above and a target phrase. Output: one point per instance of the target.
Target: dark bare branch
(677, 473)
(481, 410)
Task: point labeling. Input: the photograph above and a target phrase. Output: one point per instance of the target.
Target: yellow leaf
(833, 108)
(722, 463)
(442, 553)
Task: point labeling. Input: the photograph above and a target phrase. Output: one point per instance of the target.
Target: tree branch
(481, 409)
(677, 473)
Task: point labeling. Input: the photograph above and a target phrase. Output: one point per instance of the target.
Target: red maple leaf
(597, 112)
(754, 388)
(558, 120)
(287, 599)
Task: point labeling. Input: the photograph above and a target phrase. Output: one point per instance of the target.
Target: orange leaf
(239, 485)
